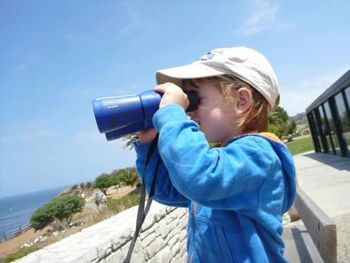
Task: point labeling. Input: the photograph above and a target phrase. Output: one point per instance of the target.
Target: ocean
(16, 211)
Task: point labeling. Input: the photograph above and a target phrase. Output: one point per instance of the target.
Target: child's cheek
(214, 123)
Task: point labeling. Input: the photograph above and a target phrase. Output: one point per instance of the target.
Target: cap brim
(193, 71)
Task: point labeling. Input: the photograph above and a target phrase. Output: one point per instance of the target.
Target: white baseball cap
(244, 63)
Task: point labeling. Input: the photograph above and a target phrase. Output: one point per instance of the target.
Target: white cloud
(295, 99)
(263, 16)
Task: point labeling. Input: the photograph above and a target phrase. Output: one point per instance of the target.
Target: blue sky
(57, 56)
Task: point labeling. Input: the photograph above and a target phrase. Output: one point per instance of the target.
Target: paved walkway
(326, 179)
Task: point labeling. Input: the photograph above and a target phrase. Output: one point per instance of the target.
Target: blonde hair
(256, 118)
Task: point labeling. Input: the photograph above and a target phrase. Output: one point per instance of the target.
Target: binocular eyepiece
(118, 116)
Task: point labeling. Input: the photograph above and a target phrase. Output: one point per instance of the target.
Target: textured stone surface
(162, 239)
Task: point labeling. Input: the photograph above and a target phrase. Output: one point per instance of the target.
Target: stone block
(159, 216)
(183, 250)
(175, 249)
(149, 222)
(162, 229)
(149, 239)
(163, 256)
(172, 233)
(115, 257)
(171, 242)
(183, 235)
(145, 234)
(154, 247)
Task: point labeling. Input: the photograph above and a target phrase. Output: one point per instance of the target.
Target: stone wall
(162, 239)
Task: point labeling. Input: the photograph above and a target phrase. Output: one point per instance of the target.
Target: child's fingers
(161, 88)
(172, 94)
(167, 87)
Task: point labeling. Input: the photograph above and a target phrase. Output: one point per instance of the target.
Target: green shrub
(42, 217)
(20, 253)
(123, 203)
(61, 209)
(103, 182)
(126, 176)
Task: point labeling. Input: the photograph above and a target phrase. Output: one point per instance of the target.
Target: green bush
(104, 181)
(42, 217)
(118, 205)
(126, 176)
(20, 253)
(61, 209)
(280, 123)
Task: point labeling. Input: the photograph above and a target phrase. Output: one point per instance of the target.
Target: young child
(237, 192)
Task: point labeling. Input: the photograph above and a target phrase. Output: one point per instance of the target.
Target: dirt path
(15, 243)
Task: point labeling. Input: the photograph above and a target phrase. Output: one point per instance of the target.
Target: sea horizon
(16, 210)
(35, 191)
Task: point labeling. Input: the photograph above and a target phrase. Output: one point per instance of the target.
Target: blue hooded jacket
(235, 194)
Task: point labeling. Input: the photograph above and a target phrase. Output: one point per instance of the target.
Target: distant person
(236, 192)
(98, 199)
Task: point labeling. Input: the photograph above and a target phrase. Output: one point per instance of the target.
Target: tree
(57, 212)
(280, 123)
(128, 176)
(42, 217)
(292, 127)
(103, 182)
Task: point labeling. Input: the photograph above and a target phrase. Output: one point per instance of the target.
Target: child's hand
(147, 136)
(172, 94)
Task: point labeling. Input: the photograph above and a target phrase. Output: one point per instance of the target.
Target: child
(237, 192)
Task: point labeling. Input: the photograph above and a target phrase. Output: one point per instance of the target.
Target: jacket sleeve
(226, 177)
(165, 192)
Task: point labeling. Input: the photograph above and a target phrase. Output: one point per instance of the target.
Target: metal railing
(14, 232)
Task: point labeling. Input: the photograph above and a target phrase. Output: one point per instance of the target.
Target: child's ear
(244, 100)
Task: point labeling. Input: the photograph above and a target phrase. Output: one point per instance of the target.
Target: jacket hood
(287, 165)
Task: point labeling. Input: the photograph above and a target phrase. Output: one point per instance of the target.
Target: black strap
(142, 212)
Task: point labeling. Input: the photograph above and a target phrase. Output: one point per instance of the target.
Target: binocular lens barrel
(128, 129)
(118, 112)
(118, 116)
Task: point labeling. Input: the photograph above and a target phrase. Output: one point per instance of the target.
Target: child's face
(215, 116)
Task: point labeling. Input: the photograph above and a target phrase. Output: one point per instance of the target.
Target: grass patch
(300, 145)
(20, 253)
(123, 203)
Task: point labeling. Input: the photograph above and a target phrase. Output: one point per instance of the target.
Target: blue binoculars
(119, 116)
